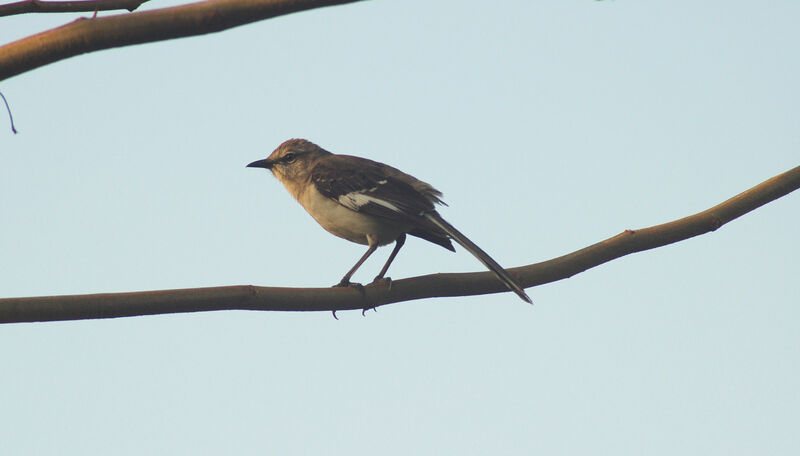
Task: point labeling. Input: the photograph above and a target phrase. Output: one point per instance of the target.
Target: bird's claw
(364, 310)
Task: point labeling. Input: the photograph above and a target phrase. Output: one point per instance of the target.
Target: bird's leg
(397, 245)
(380, 279)
(373, 245)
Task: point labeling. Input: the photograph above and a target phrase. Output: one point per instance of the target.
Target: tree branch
(88, 35)
(37, 6)
(248, 297)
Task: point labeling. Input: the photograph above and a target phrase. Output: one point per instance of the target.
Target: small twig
(37, 6)
(10, 117)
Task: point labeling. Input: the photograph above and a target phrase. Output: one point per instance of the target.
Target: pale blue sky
(548, 125)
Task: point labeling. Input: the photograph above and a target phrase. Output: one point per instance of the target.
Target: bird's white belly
(347, 223)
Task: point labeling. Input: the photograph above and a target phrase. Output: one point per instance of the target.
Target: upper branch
(246, 297)
(87, 35)
(37, 6)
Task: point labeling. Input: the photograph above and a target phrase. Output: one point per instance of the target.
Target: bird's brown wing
(380, 190)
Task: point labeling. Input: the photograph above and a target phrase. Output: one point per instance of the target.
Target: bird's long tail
(482, 256)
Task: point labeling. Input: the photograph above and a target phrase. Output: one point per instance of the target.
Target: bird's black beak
(265, 163)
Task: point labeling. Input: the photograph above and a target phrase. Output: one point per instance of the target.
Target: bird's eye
(288, 158)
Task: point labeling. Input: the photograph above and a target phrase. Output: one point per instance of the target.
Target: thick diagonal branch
(37, 6)
(88, 35)
(247, 297)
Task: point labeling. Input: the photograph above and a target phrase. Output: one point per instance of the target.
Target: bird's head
(291, 160)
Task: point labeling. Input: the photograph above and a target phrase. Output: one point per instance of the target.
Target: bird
(369, 203)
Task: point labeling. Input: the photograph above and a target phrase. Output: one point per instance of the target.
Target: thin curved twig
(38, 6)
(10, 117)
(248, 297)
(88, 35)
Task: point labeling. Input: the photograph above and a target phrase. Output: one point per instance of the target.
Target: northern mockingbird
(368, 203)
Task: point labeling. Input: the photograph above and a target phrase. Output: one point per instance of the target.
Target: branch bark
(248, 297)
(37, 6)
(88, 35)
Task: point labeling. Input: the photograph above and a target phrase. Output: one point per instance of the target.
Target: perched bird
(368, 203)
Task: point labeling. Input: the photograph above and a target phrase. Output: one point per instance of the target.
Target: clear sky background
(548, 125)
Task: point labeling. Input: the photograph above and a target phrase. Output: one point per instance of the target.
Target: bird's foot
(382, 282)
(378, 282)
(349, 284)
(364, 310)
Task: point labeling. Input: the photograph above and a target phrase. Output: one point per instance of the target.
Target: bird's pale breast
(347, 223)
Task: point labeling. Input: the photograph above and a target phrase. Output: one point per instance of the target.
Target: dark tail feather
(482, 256)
